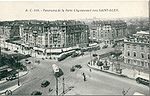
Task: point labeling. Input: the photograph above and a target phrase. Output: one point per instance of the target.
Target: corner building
(56, 34)
(136, 50)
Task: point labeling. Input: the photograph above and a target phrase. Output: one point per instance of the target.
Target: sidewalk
(20, 75)
(13, 88)
(128, 73)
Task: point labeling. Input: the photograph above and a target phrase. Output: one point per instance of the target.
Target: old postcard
(74, 47)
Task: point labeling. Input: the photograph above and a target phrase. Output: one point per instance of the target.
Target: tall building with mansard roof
(56, 34)
(107, 31)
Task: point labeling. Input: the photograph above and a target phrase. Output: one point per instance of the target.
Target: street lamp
(18, 70)
(0, 55)
(18, 79)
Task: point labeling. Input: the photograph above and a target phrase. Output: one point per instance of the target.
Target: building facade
(9, 31)
(107, 31)
(56, 34)
(136, 50)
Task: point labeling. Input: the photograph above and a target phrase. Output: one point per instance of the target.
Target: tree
(116, 54)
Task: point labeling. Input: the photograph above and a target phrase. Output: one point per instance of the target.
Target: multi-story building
(57, 34)
(107, 31)
(136, 50)
(9, 31)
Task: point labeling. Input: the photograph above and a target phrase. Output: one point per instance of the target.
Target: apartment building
(136, 50)
(107, 31)
(56, 34)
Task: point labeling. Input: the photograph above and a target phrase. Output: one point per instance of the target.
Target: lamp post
(18, 79)
(56, 85)
(63, 86)
(18, 70)
(0, 55)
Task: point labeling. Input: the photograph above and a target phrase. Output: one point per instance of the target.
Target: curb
(11, 86)
(3, 93)
(120, 75)
(20, 77)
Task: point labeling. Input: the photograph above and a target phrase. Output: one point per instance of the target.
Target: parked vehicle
(27, 56)
(16, 51)
(26, 60)
(142, 80)
(94, 55)
(72, 69)
(6, 49)
(45, 83)
(36, 93)
(11, 78)
(74, 55)
(105, 46)
(78, 66)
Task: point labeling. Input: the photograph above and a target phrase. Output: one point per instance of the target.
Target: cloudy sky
(53, 10)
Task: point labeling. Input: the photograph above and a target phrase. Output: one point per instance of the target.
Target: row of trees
(12, 62)
(137, 24)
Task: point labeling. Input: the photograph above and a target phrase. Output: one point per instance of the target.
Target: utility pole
(63, 86)
(18, 79)
(18, 70)
(0, 56)
(56, 85)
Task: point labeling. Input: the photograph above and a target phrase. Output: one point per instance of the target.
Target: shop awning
(53, 50)
(39, 49)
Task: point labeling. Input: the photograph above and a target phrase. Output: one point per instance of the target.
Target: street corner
(8, 91)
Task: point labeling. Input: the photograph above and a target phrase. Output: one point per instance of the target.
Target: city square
(85, 56)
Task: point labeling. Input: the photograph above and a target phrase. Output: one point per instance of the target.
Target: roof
(143, 32)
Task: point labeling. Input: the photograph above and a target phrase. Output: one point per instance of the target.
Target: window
(134, 46)
(142, 55)
(128, 53)
(128, 46)
(148, 56)
(142, 63)
(94, 33)
(135, 62)
(134, 54)
(142, 48)
(128, 60)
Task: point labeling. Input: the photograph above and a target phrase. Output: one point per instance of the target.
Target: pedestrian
(50, 89)
(83, 74)
(101, 68)
(90, 70)
(84, 78)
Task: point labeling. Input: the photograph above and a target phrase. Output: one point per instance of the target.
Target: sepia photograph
(67, 47)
